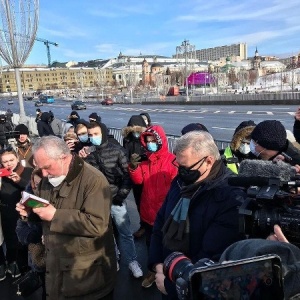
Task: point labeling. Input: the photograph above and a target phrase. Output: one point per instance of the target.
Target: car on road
(10, 101)
(38, 103)
(107, 101)
(29, 98)
(77, 105)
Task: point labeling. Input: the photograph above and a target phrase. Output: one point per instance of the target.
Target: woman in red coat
(156, 175)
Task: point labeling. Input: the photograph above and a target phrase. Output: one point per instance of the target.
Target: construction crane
(47, 43)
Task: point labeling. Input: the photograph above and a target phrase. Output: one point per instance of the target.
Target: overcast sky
(100, 29)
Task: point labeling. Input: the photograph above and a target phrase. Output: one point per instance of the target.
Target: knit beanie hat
(193, 127)
(22, 129)
(95, 117)
(270, 134)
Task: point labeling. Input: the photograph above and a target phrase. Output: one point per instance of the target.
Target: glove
(135, 160)
(118, 201)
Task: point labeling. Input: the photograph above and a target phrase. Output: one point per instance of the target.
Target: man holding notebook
(80, 257)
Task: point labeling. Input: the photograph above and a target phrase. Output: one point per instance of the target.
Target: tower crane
(47, 43)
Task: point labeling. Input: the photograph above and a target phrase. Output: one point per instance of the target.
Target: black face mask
(189, 176)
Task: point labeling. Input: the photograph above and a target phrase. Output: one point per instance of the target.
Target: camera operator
(199, 216)
(269, 142)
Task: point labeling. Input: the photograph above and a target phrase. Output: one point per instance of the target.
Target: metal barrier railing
(116, 132)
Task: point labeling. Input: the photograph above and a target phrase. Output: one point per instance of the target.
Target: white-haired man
(199, 216)
(78, 237)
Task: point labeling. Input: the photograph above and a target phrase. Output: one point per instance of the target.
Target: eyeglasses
(174, 163)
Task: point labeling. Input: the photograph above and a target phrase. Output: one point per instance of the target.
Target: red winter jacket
(156, 174)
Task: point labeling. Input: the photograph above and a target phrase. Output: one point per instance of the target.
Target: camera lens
(175, 265)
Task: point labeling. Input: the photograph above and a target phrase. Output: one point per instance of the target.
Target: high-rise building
(217, 53)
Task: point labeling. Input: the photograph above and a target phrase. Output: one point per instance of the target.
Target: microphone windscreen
(265, 168)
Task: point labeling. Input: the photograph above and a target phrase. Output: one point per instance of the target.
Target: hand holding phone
(4, 172)
(90, 149)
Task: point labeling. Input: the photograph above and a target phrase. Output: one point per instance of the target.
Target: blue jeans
(122, 222)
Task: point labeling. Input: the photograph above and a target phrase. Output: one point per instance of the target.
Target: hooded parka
(156, 174)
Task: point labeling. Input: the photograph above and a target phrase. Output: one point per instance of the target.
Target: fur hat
(270, 134)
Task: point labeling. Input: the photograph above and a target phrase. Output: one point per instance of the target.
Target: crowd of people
(184, 199)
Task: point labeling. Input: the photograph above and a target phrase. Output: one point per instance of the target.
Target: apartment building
(33, 79)
(218, 53)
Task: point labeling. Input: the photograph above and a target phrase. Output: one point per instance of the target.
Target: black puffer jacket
(111, 160)
(43, 126)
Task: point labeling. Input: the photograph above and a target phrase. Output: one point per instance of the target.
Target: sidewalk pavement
(127, 287)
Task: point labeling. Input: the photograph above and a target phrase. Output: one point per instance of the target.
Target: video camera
(270, 201)
(268, 205)
(258, 278)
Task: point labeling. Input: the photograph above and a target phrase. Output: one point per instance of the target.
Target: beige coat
(80, 256)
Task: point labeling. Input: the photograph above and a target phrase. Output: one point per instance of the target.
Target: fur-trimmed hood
(135, 124)
(239, 136)
(128, 129)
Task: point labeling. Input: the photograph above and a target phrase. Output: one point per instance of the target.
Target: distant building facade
(218, 53)
(33, 79)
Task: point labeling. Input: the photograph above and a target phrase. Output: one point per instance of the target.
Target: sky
(100, 29)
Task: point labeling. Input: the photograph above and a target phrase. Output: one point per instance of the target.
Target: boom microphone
(259, 172)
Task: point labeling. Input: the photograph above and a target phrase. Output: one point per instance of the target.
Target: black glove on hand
(118, 201)
(135, 160)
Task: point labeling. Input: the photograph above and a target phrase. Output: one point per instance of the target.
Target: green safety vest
(232, 166)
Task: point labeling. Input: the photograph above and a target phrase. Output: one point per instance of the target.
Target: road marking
(223, 128)
(216, 112)
(231, 112)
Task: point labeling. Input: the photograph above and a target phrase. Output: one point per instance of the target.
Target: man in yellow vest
(239, 148)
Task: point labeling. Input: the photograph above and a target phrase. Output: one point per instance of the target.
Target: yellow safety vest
(232, 166)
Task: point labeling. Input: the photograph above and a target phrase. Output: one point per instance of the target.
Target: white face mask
(244, 148)
(56, 181)
(252, 148)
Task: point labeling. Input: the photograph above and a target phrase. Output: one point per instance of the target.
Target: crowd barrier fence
(116, 132)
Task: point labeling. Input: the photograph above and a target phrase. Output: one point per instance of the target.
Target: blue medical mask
(96, 140)
(136, 134)
(83, 138)
(151, 146)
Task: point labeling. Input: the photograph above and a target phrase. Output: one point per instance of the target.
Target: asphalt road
(221, 121)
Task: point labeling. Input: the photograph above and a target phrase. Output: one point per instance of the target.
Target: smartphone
(90, 149)
(258, 278)
(4, 172)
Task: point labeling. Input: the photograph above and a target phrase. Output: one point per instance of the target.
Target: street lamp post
(18, 31)
(186, 51)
